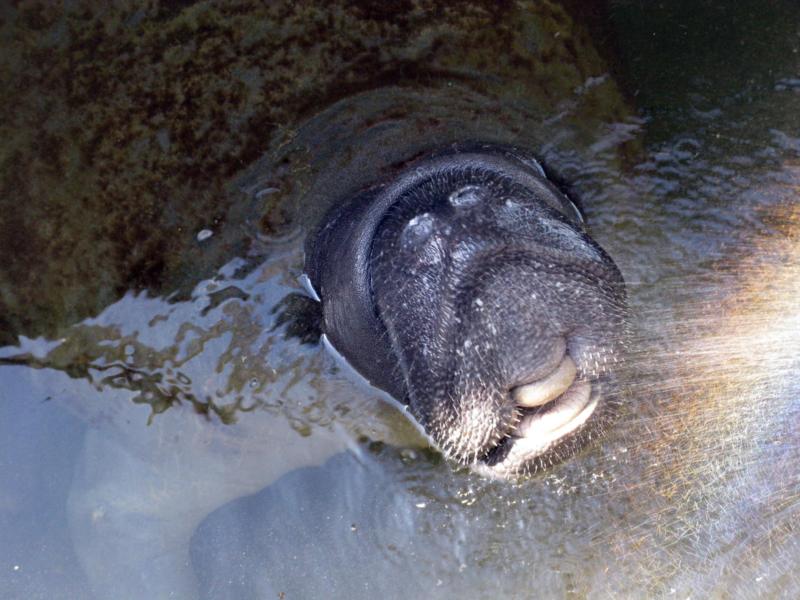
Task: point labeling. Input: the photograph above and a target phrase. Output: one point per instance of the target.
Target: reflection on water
(118, 439)
(190, 404)
(217, 353)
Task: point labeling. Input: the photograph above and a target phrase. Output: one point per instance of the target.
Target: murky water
(203, 443)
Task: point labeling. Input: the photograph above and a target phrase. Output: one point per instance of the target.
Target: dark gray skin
(465, 275)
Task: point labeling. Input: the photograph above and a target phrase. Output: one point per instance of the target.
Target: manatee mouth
(549, 409)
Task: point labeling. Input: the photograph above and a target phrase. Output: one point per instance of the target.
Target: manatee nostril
(468, 195)
(417, 230)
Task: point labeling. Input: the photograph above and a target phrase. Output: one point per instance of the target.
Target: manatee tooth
(547, 389)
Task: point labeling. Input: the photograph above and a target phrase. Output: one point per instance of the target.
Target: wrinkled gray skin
(463, 276)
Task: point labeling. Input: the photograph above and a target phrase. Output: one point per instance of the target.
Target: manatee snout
(467, 287)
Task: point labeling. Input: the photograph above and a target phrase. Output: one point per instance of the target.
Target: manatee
(467, 288)
(517, 238)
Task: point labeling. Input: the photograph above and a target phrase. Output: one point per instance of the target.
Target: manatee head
(466, 286)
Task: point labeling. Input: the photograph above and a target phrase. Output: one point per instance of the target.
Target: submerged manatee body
(467, 288)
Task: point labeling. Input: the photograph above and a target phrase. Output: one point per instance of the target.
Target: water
(199, 440)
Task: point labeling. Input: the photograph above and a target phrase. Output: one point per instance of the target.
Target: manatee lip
(550, 408)
(539, 393)
(552, 421)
